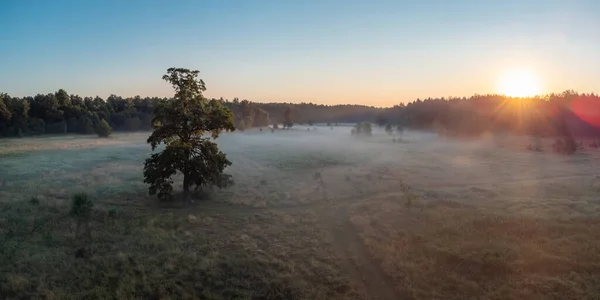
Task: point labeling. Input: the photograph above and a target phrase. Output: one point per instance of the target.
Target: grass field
(426, 218)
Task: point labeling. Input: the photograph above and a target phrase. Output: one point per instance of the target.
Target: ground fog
(314, 213)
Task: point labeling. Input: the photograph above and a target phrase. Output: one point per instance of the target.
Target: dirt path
(359, 264)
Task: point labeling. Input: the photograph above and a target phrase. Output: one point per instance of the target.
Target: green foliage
(103, 129)
(81, 207)
(247, 112)
(5, 114)
(181, 125)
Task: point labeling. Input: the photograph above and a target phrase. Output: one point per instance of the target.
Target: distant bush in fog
(388, 129)
(362, 129)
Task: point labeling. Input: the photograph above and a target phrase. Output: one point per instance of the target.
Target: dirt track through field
(359, 264)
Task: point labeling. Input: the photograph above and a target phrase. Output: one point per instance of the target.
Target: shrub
(388, 129)
(103, 129)
(81, 211)
(34, 201)
(567, 145)
(81, 206)
(362, 129)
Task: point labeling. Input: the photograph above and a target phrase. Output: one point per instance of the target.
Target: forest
(547, 115)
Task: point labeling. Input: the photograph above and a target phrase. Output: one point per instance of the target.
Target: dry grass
(450, 251)
(487, 220)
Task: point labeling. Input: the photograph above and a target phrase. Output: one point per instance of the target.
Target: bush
(567, 145)
(388, 129)
(81, 211)
(81, 207)
(362, 129)
(34, 201)
(103, 129)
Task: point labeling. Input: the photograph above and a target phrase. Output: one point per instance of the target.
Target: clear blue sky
(371, 52)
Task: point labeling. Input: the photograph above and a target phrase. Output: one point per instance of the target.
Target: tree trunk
(186, 187)
(186, 174)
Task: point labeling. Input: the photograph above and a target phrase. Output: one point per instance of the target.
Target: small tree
(103, 129)
(182, 125)
(400, 131)
(362, 129)
(388, 129)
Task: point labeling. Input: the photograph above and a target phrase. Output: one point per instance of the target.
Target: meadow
(422, 218)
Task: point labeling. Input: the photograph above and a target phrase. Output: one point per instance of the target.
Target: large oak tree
(187, 126)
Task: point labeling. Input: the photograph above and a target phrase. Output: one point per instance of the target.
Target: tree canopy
(187, 126)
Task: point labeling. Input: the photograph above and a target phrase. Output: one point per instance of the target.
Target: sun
(519, 83)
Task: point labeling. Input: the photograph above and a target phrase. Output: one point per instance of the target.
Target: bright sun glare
(519, 83)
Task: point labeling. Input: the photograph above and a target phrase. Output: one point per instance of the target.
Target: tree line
(556, 114)
(547, 115)
(60, 112)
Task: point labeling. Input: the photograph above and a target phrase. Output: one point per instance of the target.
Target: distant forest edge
(568, 112)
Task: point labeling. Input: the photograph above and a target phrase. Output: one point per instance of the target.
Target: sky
(378, 53)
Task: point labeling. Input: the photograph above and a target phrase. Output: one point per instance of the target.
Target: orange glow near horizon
(519, 83)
